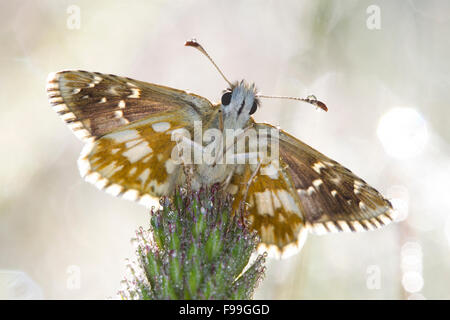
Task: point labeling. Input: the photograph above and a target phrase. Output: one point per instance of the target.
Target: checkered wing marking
(135, 162)
(93, 104)
(273, 208)
(332, 198)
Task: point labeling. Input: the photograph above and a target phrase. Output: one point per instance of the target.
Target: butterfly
(133, 132)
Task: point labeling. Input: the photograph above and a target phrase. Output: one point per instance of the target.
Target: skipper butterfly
(143, 140)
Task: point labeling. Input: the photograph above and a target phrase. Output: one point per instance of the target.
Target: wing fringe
(374, 223)
(59, 106)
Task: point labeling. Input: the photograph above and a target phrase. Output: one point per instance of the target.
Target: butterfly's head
(238, 103)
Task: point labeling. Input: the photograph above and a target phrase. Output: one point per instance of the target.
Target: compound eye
(254, 107)
(226, 98)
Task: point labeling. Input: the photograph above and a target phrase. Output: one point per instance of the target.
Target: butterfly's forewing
(93, 104)
(127, 125)
(332, 197)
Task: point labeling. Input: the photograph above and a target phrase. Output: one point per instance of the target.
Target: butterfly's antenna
(193, 43)
(309, 99)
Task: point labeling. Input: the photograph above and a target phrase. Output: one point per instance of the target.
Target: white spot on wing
(137, 152)
(288, 202)
(170, 166)
(136, 93)
(318, 166)
(113, 91)
(111, 169)
(131, 144)
(316, 183)
(270, 170)
(357, 186)
(144, 175)
(276, 201)
(125, 135)
(264, 203)
(161, 126)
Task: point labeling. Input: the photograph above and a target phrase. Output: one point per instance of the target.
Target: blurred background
(382, 68)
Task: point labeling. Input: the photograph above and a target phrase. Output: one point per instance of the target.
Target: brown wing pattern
(136, 161)
(93, 104)
(273, 209)
(127, 125)
(332, 197)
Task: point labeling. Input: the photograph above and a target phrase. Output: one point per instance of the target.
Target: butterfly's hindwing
(332, 197)
(93, 104)
(135, 162)
(272, 207)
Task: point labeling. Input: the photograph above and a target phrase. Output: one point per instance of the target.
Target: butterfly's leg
(239, 136)
(224, 185)
(247, 186)
(238, 160)
(242, 158)
(186, 144)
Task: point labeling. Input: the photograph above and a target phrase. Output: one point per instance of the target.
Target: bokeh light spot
(412, 282)
(403, 132)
